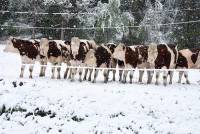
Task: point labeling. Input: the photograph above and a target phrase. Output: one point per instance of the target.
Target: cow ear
(67, 42)
(14, 40)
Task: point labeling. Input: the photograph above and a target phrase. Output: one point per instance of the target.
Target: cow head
(93, 44)
(90, 59)
(65, 53)
(119, 52)
(75, 44)
(111, 46)
(44, 46)
(10, 46)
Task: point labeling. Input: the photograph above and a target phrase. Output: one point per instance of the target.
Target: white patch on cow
(197, 64)
(119, 53)
(128, 66)
(93, 43)
(143, 65)
(172, 65)
(44, 46)
(75, 44)
(187, 54)
(103, 65)
(75, 62)
(132, 47)
(152, 54)
(26, 60)
(55, 59)
(90, 59)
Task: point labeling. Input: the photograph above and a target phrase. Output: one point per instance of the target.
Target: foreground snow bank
(42, 105)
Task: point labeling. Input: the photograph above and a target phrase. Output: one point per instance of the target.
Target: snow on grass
(43, 105)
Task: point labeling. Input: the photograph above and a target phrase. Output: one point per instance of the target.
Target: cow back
(103, 56)
(131, 56)
(26, 48)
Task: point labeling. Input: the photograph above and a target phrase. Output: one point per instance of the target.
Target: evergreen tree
(3, 16)
(188, 35)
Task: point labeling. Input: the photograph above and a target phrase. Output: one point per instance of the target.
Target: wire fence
(111, 68)
(87, 13)
(76, 28)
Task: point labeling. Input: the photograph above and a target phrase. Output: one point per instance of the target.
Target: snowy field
(42, 105)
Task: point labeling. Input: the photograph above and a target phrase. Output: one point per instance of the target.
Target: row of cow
(86, 53)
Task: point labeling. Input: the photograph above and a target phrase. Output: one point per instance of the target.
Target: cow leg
(165, 78)
(58, 70)
(131, 76)
(41, 69)
(124, 76)
(186, 77)
(80, 74)
(171, 73)
(70, 73)
(44, 69)
(180, 76)
(157, 77)
(95, 75)
(120, 75)
(22, 71)
(66, 73)
(31, 71)
(106, 74)
(141, 73)
(73, 72)
(150, 76)
(90, 76)
(53, 71)
(85, 75)
(114, 72)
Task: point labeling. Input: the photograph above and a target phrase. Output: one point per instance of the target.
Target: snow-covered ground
(42, 105)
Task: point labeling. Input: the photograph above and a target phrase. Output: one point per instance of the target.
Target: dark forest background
(105, 15)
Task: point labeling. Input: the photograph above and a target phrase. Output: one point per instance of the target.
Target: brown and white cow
(116, 62)
(99, 57)
(188, 59)
(78, 50)
(153, 56)
(28, 50)
(55, 52)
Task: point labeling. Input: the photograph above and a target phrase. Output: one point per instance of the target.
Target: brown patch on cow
(182, 61)
(25, 47)
(53, 51)
(102, 56)
(164, 57)
(120, 63)
(67, 42)
(195, 53)
(82, 52)
(143, 52)
(131, 57)
(65, 52)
